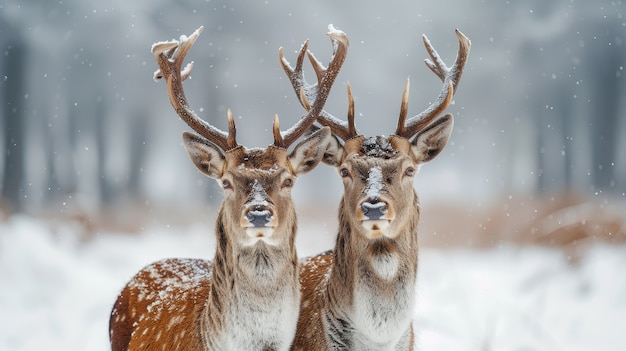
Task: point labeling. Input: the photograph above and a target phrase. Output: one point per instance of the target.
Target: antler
(450, 78)
(169, 56)
(307, 92)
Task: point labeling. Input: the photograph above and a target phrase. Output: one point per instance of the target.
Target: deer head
(257, 182)
(378, 172)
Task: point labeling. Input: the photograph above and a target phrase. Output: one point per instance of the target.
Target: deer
(361, 295)
(248, 296)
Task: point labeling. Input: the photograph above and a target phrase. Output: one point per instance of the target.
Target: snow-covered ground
(56, 291)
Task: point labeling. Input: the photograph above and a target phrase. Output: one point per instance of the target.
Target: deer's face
(257, 185)
(257, 194)
(378, 187)
(377, 174)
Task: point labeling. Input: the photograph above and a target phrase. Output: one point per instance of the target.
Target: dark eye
(409, 172)
(344, 172)
(226, 184)
(287, 183)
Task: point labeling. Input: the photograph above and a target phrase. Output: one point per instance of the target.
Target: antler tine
(450, 78)
(343, 129)
(437, 65)
(278, 138)
(351, 126)
(169, 56)
(306, 92)
(296, 77)
(404, 108)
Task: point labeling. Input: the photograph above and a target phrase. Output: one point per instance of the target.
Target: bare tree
(604, 57)
(13, 114)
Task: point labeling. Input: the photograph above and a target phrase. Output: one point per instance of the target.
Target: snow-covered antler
(169, 56)
(307, 92)
(450, 78)
(317, 93)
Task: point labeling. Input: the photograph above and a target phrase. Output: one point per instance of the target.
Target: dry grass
(569, 222)
(566, 221)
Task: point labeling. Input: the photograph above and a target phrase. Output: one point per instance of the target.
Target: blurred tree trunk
(542, 162)
(604, 120)
(566, 120)
(107, 191)
(138, 146)
(53, 185)
(14, 124)
(605, 56)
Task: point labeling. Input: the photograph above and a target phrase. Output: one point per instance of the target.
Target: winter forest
(523, 226)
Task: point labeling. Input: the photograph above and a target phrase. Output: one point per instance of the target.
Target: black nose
(374, 210)
(259, 218)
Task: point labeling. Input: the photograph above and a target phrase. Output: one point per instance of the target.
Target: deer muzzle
(375, 215)
(374, 211)
(259, 222)
(259, 218)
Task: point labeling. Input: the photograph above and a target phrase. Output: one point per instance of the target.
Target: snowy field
(56, 290)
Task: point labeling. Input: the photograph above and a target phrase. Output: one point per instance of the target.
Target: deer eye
(226, 184)
(287, 183)
(409, 172)
(344, 172)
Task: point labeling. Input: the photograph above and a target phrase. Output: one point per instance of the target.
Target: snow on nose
(257, 211)
(374, 183)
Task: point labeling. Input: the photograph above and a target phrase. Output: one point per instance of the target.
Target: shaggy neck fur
(371, 290)
(254, 296)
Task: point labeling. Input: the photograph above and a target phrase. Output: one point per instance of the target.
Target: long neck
(222, 272)
(248, 280)
(371, 277)
(353, 252)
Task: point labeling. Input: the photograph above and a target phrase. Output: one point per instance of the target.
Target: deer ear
(309, 152)
(429, 142)
(333, 153)
(207, 157)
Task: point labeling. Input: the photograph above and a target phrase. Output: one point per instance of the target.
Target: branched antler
(318, 93)
(345, 130)
(169, 56)
(450, 78)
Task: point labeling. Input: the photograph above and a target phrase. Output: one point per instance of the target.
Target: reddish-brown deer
(361, 295)
(247, 298)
